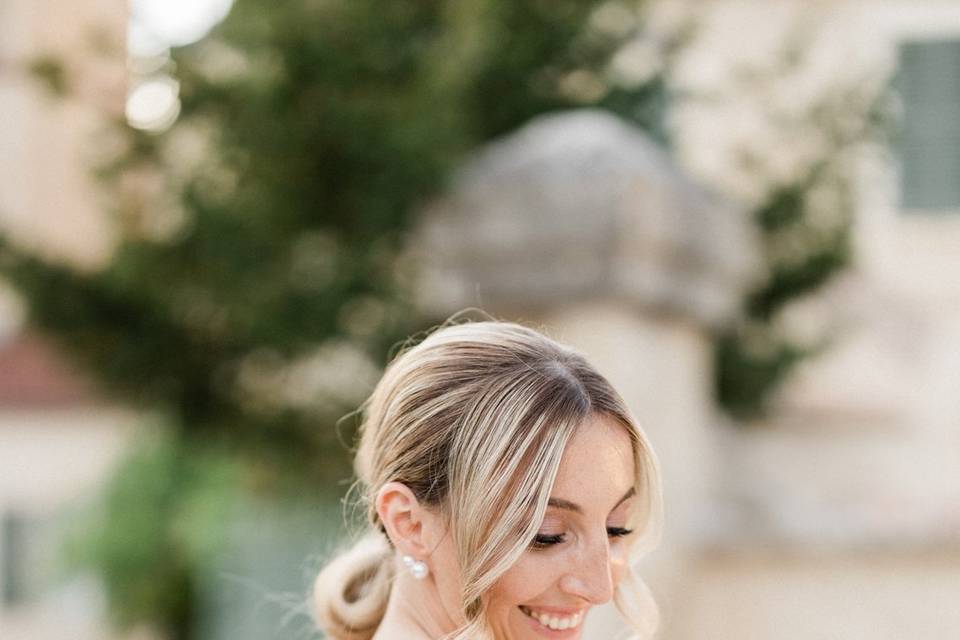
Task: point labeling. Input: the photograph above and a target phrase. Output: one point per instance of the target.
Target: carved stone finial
(581, 204)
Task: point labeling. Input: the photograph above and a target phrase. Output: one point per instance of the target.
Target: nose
(591, 578)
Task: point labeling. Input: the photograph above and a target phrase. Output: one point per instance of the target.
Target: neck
(414, 611)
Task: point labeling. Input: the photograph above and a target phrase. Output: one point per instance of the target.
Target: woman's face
(581, 549)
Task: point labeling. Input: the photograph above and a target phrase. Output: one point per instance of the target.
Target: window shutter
(929, 145)
(13, 538)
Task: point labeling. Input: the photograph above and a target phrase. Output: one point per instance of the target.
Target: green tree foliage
(272, 216)
(163, 516)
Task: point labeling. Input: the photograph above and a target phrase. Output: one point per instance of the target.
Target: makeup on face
(580, 550)
(552, 530)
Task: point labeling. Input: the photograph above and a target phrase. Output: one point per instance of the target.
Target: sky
(156, 25)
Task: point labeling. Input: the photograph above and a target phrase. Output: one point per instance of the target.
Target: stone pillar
(580, 225)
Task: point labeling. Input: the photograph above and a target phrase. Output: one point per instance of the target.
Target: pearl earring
(418, 568)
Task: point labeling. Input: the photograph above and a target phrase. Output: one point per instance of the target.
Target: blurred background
(218, 219)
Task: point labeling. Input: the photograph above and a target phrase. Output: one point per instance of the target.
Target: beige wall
(47, 145)
(51, 463)
(49, 459)
(802, 596)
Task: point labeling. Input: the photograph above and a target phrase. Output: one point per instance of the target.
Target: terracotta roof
(34, 375)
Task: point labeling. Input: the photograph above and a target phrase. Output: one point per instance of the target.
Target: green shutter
(929, 141)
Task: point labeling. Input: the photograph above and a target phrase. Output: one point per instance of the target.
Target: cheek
(528, 579)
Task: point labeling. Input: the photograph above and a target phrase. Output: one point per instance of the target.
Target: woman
(508, 490)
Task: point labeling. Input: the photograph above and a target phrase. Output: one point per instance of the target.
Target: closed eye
(541, 541)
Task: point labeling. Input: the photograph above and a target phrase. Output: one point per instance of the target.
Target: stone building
(57, 441)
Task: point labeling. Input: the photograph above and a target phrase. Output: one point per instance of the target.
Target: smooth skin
(579, 556)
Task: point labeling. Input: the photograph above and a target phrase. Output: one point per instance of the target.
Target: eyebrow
(566, 505)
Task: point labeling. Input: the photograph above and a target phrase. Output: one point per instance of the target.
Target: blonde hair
(474, 420)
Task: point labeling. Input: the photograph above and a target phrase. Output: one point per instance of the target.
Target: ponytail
(351, 592)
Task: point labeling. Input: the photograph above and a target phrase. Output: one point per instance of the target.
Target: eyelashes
(541, 541)
(618, 532)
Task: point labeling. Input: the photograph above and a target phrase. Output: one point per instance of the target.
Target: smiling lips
(552, 620)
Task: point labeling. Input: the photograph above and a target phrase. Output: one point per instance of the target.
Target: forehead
(598, 465)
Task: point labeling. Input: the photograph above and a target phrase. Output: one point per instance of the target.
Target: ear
(408, 523)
